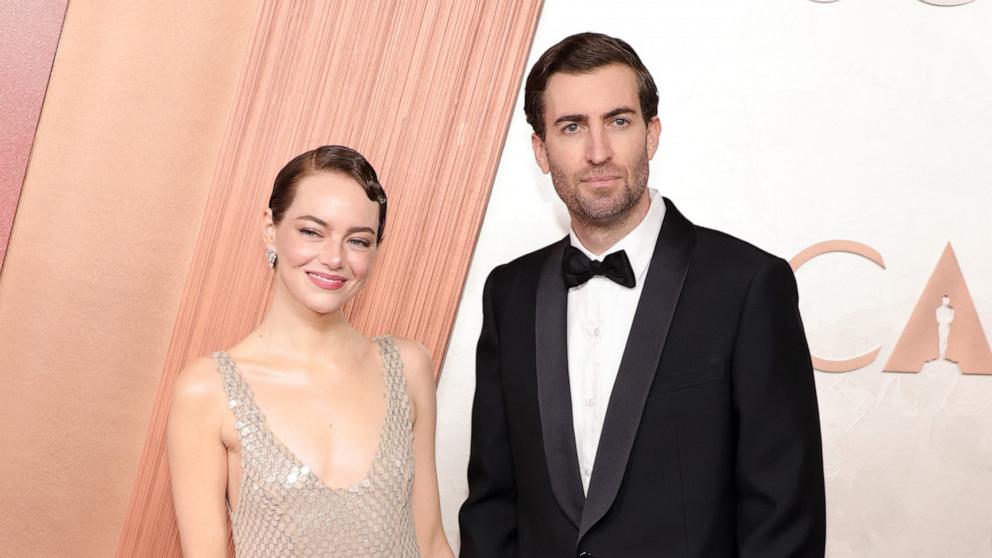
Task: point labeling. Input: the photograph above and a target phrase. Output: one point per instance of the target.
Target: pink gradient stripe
(29, 35)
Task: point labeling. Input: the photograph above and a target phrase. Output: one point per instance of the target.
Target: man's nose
(598, 149)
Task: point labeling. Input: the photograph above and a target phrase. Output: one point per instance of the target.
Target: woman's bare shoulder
(417, 362)
(418, 369)
(199, 384)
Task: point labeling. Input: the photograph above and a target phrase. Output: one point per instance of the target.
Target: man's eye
(570, 128)
(621, 122)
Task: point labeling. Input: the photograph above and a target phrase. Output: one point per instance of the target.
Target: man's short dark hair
(581, 54)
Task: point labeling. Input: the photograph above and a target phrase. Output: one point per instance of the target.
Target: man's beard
(601, 211)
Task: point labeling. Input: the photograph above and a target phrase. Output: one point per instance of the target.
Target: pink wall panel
(107, 221)
(29, 34)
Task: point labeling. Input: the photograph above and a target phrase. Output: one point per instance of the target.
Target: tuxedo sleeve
(780, 492)
(487, 520)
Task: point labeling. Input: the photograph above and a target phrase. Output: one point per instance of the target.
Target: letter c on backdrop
(851, 247)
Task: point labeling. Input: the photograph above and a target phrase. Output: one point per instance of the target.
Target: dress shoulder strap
(399, 403)
(239, 397)
(391, 361)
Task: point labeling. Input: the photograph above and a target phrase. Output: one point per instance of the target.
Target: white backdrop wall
(786, 123)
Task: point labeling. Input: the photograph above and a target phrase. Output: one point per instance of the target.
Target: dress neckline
(291, 456)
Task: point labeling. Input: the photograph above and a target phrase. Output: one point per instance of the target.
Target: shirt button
(595, 332)
(590, 401)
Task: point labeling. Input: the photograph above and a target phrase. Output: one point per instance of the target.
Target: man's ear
(269, 230)
(540, 153)
(654, 131)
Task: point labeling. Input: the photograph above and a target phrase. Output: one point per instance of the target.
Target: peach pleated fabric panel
(29, 33)
(425, 91)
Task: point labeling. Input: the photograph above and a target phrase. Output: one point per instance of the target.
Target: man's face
(597, 145)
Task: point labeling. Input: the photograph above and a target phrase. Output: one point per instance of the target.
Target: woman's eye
(360, 242)
(309, 232)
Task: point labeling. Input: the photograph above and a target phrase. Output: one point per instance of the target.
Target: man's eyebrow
(582, 119)
(312, 218)
(579, 118)
(618, 111)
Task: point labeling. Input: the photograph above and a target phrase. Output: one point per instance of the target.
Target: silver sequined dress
(284, 510)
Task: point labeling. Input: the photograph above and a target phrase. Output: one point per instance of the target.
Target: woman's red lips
(326, 281)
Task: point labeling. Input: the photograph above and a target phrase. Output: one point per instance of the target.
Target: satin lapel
(554, 396)
(641, 356)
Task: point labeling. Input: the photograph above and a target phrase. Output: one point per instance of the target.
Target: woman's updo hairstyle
(327, 158)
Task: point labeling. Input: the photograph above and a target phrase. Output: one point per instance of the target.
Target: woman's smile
(326, 281)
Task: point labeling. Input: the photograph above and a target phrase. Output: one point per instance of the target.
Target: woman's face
(325, 242)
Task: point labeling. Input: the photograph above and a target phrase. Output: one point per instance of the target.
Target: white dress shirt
(600, 313)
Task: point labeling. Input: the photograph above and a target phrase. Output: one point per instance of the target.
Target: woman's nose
(331, 255)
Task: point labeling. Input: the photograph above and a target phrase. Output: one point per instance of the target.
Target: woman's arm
(426, 502)
(198, 461)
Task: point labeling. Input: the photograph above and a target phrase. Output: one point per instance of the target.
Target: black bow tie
(578, 268)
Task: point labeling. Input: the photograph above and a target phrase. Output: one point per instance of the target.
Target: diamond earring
(271, 257)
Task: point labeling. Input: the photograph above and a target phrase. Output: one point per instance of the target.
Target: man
(644, 386)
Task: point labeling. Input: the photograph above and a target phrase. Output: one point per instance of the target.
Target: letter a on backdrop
(934, 321)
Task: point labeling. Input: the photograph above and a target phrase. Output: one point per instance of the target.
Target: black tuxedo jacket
(711, 441)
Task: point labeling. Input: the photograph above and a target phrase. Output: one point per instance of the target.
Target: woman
(316, 440)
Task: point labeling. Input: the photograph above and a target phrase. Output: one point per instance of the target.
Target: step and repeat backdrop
(848, 137)
(851, 138)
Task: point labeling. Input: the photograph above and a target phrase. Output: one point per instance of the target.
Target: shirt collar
(639, 242)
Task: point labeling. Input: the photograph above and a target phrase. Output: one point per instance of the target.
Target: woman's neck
(293, 330)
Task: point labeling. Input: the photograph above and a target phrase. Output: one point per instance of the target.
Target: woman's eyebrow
(320, 222)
